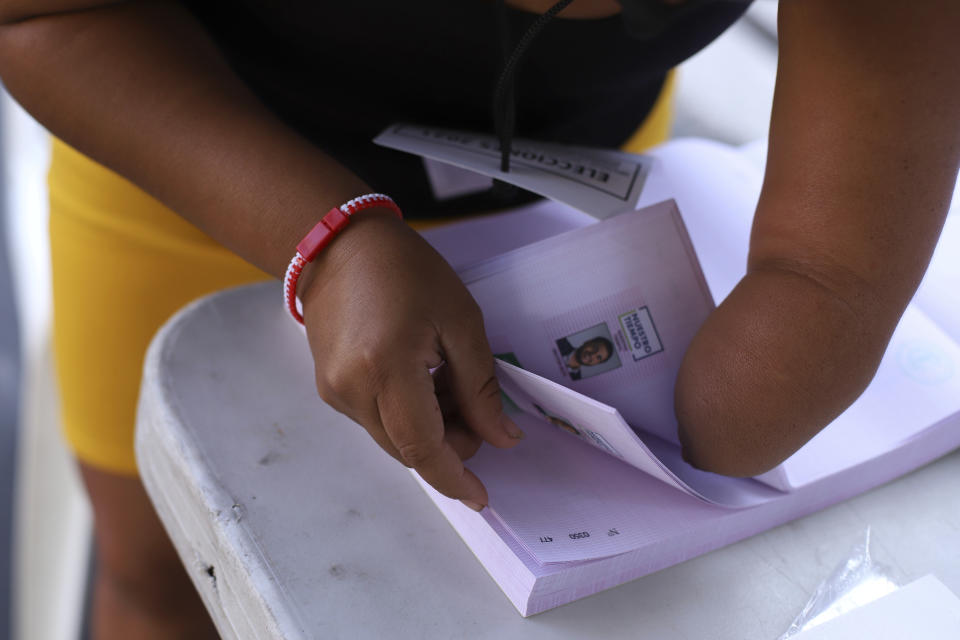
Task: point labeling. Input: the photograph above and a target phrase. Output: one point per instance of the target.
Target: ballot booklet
(589, 319)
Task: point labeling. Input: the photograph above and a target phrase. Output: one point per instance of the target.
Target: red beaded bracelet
(321, 235)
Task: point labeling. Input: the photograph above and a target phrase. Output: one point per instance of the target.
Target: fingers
(371, 422)
(457, 434)
(374, 331)
(471, 378)
(412, 419)
(363, 413)
(463, 440)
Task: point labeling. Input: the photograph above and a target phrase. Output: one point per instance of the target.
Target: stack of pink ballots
(589, 320)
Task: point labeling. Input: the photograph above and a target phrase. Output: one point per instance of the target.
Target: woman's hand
(141, 88)
(382, 309)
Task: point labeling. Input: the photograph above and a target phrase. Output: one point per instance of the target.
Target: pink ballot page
(606, 310)
(604, 428)
(564, 500)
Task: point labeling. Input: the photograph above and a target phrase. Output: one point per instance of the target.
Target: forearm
(865, 143)
(864, 150)
(141, 88)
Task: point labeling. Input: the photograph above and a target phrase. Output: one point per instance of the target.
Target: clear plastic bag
(856, 581)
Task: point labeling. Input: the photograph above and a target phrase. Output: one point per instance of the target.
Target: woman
(252, 121)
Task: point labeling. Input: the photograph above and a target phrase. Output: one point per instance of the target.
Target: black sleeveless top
(340, 72)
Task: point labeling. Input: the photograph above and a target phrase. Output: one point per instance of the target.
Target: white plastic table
(293, 524)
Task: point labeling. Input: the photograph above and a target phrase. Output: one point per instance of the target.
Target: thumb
(475, 387)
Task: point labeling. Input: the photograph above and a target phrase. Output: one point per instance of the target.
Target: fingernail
(512, 429)
(476, 506)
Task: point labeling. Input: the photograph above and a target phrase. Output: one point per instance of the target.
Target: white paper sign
(448, 181)
(600, 182)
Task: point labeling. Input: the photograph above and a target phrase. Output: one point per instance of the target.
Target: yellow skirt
(122, 265)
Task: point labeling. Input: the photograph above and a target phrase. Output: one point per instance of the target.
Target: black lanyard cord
(504, 102)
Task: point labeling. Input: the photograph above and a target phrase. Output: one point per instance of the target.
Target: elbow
(14, 11)
(738, 418)
(734, 416)
(725, 449)
(774, 364)
(720, 431)
(16, 36)
(11, 13)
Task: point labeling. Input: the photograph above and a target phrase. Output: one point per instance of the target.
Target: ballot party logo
(641, 333)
